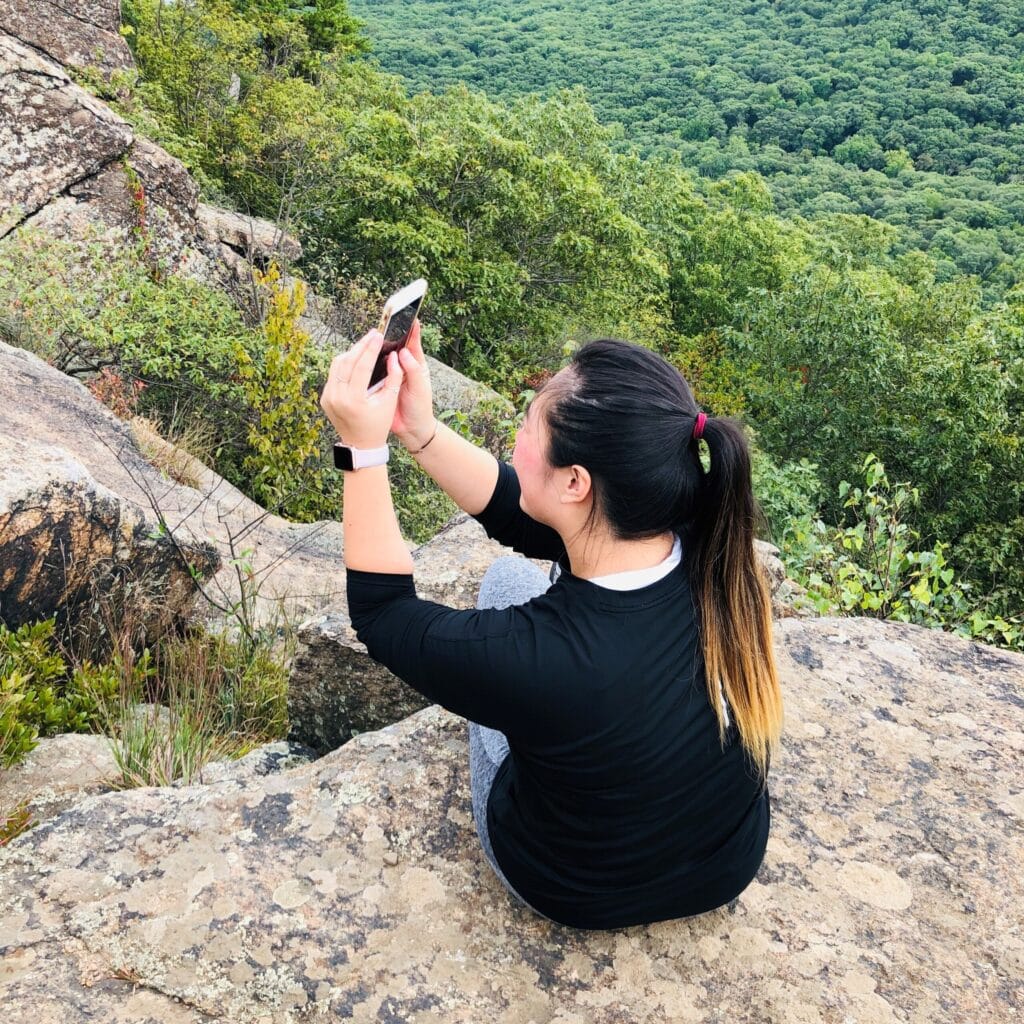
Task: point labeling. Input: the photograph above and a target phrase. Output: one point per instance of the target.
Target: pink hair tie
(698, 427)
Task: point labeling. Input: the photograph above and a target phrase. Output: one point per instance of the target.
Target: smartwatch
(348, 458)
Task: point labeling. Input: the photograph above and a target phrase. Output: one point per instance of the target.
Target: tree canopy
(909, 115)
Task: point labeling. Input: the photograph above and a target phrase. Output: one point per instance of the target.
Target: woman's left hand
(362, 420)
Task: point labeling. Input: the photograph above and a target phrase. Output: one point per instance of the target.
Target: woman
(632, 706)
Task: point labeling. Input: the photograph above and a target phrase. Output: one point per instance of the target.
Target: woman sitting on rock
(622, 719)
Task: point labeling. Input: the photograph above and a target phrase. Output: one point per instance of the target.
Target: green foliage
(870, 568)
(513, 214)
(520, 234)
(874, 565)
(787, 493)
(326, 26)
(39, 694)
(841, 359)
(421, 506)
(83, 308)
(219, 698)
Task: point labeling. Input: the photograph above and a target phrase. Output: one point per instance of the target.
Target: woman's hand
(362, 420)
(413, 424)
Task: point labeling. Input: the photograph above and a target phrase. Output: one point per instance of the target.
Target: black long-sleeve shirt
(617, 804)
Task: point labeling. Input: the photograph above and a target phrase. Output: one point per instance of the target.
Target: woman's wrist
(416, 443)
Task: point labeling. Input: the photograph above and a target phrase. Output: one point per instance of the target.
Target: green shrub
(874, 567)
(84, 309)
(787, 493)
(40, 695)
(179, 353)
(288, 434)
(220, 697)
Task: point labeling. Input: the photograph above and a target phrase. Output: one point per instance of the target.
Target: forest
(907, 113)
(882, 384)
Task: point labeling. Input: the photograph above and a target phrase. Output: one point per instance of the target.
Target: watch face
(343, 457)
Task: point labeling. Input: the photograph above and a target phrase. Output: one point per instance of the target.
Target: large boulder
(77, 520)
(71, 168)
(81, 510)
(296, 568)
(78, 33)
(251, 237)
(165, 208)
(354, 887)
(337, 690)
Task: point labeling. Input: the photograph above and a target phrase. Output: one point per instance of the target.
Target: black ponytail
(629, 417)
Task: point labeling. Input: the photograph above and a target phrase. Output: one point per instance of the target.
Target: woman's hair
(628, 417)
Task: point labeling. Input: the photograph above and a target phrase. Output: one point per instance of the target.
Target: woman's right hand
(413, 424)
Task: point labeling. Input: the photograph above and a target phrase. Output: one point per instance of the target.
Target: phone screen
(396, 334)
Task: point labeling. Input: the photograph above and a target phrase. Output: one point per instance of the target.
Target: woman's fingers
(362, 368)
(416, 344)
(417, 380)
(395, 373)
(341, 365)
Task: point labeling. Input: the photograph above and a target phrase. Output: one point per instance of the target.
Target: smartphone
(396, 325)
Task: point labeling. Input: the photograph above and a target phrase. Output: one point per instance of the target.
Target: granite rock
(52, 132)
(76, 519)
(251, 237)
(76, 33)
(78, 512)
(297, 568)
(354, 887)
(59, 772)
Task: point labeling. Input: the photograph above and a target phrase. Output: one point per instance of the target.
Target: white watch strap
(364, 458)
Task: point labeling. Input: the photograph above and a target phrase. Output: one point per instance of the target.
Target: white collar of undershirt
(634, 579)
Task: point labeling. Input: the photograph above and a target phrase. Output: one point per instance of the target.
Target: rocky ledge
(354, 888)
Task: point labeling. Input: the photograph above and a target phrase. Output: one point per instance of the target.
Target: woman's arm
(466, 473)
(489, 665)
(469, 475)
(373, 540)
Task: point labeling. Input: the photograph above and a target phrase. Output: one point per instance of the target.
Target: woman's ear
(576, 485)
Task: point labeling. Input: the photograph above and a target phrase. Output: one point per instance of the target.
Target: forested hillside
(913, 113)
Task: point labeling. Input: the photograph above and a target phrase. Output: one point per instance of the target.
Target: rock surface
(251, 237)
(354, 887)
(76, 510)
(78, 33)
(52, 132)
(75, 517)
(61, 771)
(297, 567)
